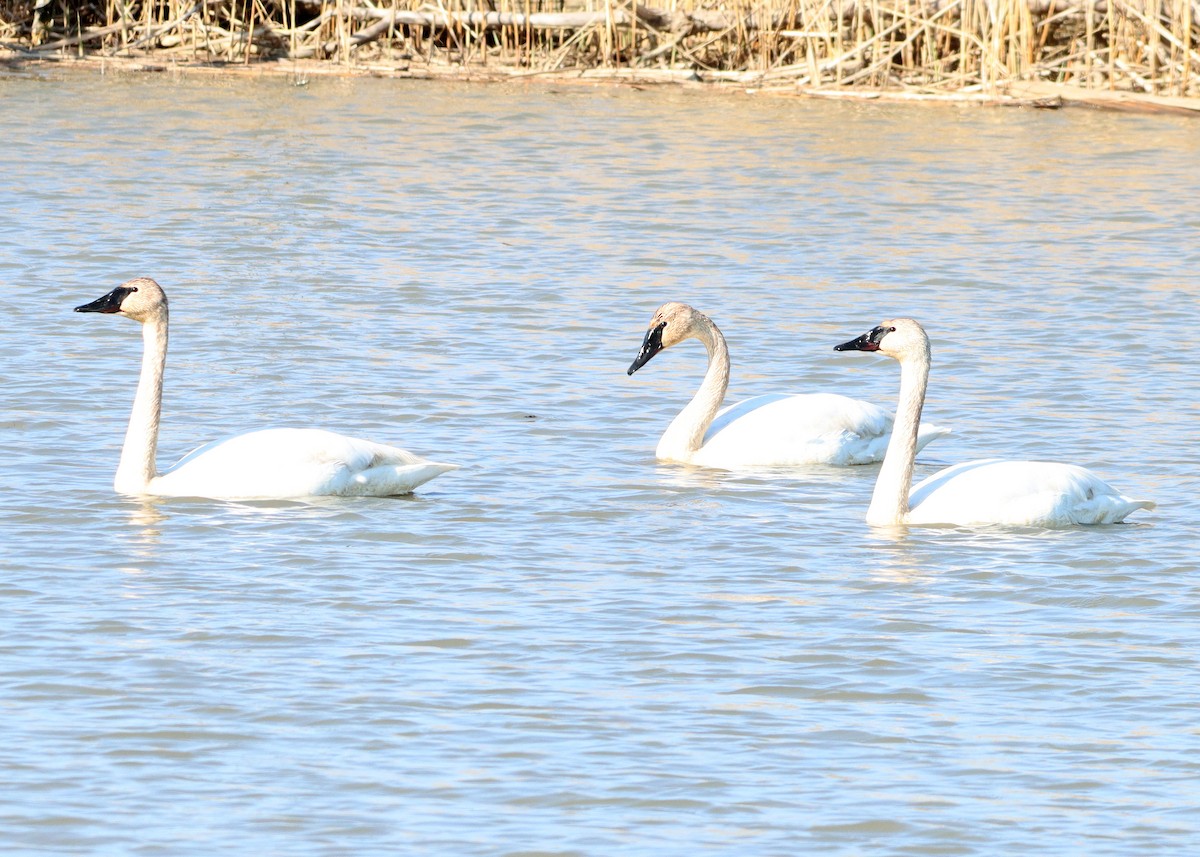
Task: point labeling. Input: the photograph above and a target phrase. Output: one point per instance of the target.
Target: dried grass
(983, 46)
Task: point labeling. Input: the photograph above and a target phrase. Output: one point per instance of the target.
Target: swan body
(294, 462)
(974, 493)
(271, 463)
(782, 430)
(769, 430)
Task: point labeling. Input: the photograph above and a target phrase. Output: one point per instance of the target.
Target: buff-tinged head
(671, 324)
(140, 299)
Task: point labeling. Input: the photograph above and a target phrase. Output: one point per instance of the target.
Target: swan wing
(810, 428)
(279, 463)
(1018, 493)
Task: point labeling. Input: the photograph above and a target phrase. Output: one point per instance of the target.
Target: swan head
(898, 338)
(671, 324)
(140, 299)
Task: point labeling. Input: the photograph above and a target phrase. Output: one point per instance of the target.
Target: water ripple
(565, 647)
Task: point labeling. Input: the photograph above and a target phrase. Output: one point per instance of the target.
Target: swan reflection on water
(144, 532)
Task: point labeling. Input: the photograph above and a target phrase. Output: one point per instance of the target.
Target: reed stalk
(983, 46)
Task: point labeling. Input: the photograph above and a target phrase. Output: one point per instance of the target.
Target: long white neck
(141, 438)
(685, 434)
(889, 503)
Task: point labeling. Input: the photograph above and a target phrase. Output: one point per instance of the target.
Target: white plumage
(768, 430)
(806, 428)
(294, 462)
(974, 493)
(265, 464)
(1018, 493)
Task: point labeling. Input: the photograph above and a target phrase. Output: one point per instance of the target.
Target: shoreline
(1021, 94)
(1047, 54)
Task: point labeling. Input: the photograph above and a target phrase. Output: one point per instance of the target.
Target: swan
(265, 464)
(769, 430)
(974, 493)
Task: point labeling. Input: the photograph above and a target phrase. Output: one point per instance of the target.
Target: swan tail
(1102, 503)
(857, 450)
(387, 480)
(929, 433)
(1114, 509)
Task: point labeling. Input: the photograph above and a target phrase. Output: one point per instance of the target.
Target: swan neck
(137, 467)
(685, 435)
(889, 502)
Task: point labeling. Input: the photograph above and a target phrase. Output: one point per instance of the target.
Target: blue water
(565, 647)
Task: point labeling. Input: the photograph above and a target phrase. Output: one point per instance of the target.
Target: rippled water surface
(564, 647)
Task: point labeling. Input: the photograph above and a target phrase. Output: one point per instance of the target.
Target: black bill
(869, 341)
(110, 303)
(651, 345)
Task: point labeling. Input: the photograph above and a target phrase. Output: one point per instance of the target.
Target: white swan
(990, 491)
(264, 464)
(812, 428)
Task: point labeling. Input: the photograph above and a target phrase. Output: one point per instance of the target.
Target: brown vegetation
(928, 46)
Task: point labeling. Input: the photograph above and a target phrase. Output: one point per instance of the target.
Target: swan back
(1018, 493)
(806, 428)
(295, 462)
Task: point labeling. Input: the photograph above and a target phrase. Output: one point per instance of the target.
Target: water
(564, 647)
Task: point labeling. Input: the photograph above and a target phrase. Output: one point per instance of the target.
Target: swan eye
(890, 329)
(134, 289)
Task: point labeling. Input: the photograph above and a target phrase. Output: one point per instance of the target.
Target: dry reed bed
(950, 46)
